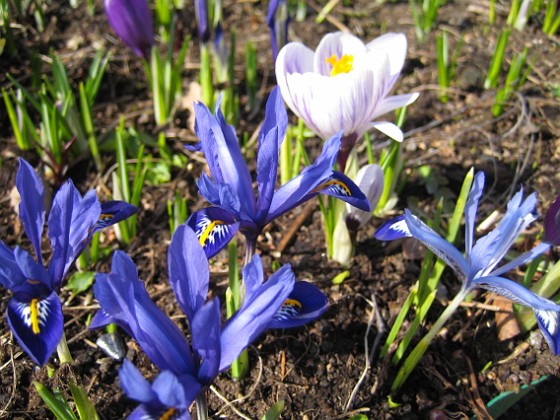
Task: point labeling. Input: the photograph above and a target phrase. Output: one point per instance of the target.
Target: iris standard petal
(439, 246)
(71, 219)
(546, 311)
(205, 332)
(214, 229)
(37, 325)
(220, 195)
(134, 385)
(10, 273)
(132, 22)
(174, 391)
(223, 155)
(32, 205)
(36, 280)
(255, 315)
(253, 276)
(188, 270)
(126, 300)
(395, 228)
(471, 208)
(304, 304)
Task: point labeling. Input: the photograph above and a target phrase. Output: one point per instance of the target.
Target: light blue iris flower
(479, 266)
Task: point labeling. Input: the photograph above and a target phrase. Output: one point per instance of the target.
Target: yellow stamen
(292, 302)
(333, 182)
(34, 315)
(207, 231)
(341, 65)
(168, 414)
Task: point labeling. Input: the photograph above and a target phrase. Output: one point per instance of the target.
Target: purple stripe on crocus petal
(71, 220)
(292, 58)
(253, 276)
(471, 208)
(188, 270)
(340, 186)
(32, 205)
(126, 300)
(214, 229)
(305, 304)
(37, 325)
(205, 333)
(134, 385)
(132, 22)
(552, 223)
(395, 228)
(439, 246)
(337, 44)
(113, 212)
(255, 315)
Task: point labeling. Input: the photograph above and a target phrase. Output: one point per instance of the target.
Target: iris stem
(63, 351)
(201, 406)
(416, 355)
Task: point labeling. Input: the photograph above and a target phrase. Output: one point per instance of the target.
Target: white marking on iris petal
(289, 309)
(209, 231)
(34, 314)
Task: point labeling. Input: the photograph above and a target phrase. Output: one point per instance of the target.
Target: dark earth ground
(315, 368)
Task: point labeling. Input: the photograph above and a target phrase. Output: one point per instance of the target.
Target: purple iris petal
(188, 271)
(32, 206)
(132, 22)
(395, 228)
(10, 273)
(306, 303)
(206, 332)
(277, 19)
(201, 15)
(552, 223)
(37, 325)
(113, 212)
(214, 228)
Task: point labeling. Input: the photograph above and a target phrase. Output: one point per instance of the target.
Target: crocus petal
(546, 311)
(471, 208)
(340, 186)
(305, 303)
(395, 228)
(389, 129)
(390, 103)
(214, 229)
(134, 385)
(255, 315)
(394, 46)
(113, 212)
(132, 22)
(32, 205)
(205, 331)
(337, 44)
(188, 270)
(439, 246)
(292, 58)
(223, 154)
(37, 325)
(126, 300)
(370, 181)
(71, 220)
(552, 223)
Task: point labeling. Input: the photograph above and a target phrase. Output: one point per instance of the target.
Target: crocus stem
(63, 351)
(416, 354)
(201, 406)
(346, 146)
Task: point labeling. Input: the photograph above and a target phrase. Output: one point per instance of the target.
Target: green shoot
(497, 60)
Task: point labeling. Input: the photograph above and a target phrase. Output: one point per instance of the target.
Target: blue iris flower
(187, 370)
(479, 266)
(277, 19)
(230, 189)
(34, 312)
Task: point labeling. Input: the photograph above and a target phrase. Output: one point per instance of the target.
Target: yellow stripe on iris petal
(168, 415)
(341, 65)
(333, 182)
(34, 315)
(206, 232)
(292, 302)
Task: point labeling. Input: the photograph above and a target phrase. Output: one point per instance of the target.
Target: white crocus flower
(344, 85)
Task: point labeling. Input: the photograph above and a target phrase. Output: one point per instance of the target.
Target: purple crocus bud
(132, 22)
(552, 223)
